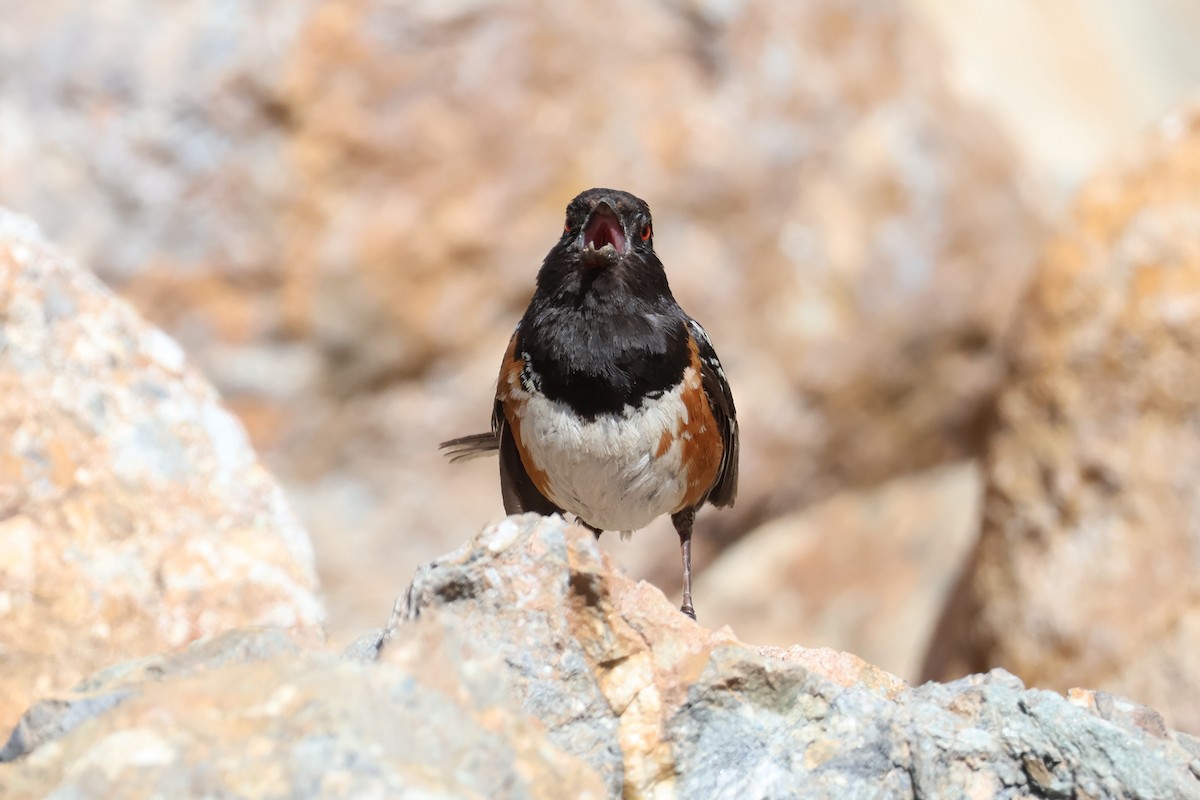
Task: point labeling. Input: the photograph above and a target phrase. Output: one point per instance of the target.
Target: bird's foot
(686, 608)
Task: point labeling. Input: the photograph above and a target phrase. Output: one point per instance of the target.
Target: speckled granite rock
(524, 665)
(134, 515)
(663, 707)
(1088, 567)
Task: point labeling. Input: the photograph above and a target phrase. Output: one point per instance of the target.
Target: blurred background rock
(338, 209)
(1086, 568)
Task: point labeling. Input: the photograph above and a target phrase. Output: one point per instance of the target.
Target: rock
(867, 570)
(674, 709)
(1075, 80)
(55, 716)
(271, 722)
(527, 662)
(133, 514)
(339, 210)
(1085, 572)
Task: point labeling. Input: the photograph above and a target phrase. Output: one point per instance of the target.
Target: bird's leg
(683, 526)
(595, 531)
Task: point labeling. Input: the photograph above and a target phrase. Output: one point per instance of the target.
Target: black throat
(599, 344)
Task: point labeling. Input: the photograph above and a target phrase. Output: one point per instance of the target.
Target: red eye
(566, 227)
(647, 232)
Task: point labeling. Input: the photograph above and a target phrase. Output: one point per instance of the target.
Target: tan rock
(1073, 80)
(133, 514)
(525, 665)
(1086, 570)
(368, 193)
(251, 716)
(866, 571)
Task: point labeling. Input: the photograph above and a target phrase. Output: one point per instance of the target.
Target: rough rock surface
(134, 515)
(338, 208)
(524, 665)
(867, 570)
(256, 714)
(1088, 567)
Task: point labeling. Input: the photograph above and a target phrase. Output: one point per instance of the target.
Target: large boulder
(525, 665)
(339, 209)
(134, 515)
(1087, 571)
(867, 570)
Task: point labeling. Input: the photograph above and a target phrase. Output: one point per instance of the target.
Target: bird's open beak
(603, 230)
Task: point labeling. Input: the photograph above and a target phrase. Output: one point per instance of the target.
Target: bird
(611, 402)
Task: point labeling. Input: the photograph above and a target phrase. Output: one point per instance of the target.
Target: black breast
(599, 361)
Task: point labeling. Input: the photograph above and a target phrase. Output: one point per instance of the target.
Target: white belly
(606, 471)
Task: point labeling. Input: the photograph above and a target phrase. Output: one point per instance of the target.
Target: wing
(517, 489)
(720, 398)
(476, 445)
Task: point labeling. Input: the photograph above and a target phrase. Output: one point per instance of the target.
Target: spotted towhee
(611, 402)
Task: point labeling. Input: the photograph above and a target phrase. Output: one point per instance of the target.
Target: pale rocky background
(337, 209)
(1087, 571)
(134, 515)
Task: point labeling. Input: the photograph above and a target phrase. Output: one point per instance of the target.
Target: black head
(602, 331)
(607, 244)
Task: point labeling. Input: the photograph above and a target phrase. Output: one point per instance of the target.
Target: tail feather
(464, 448)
